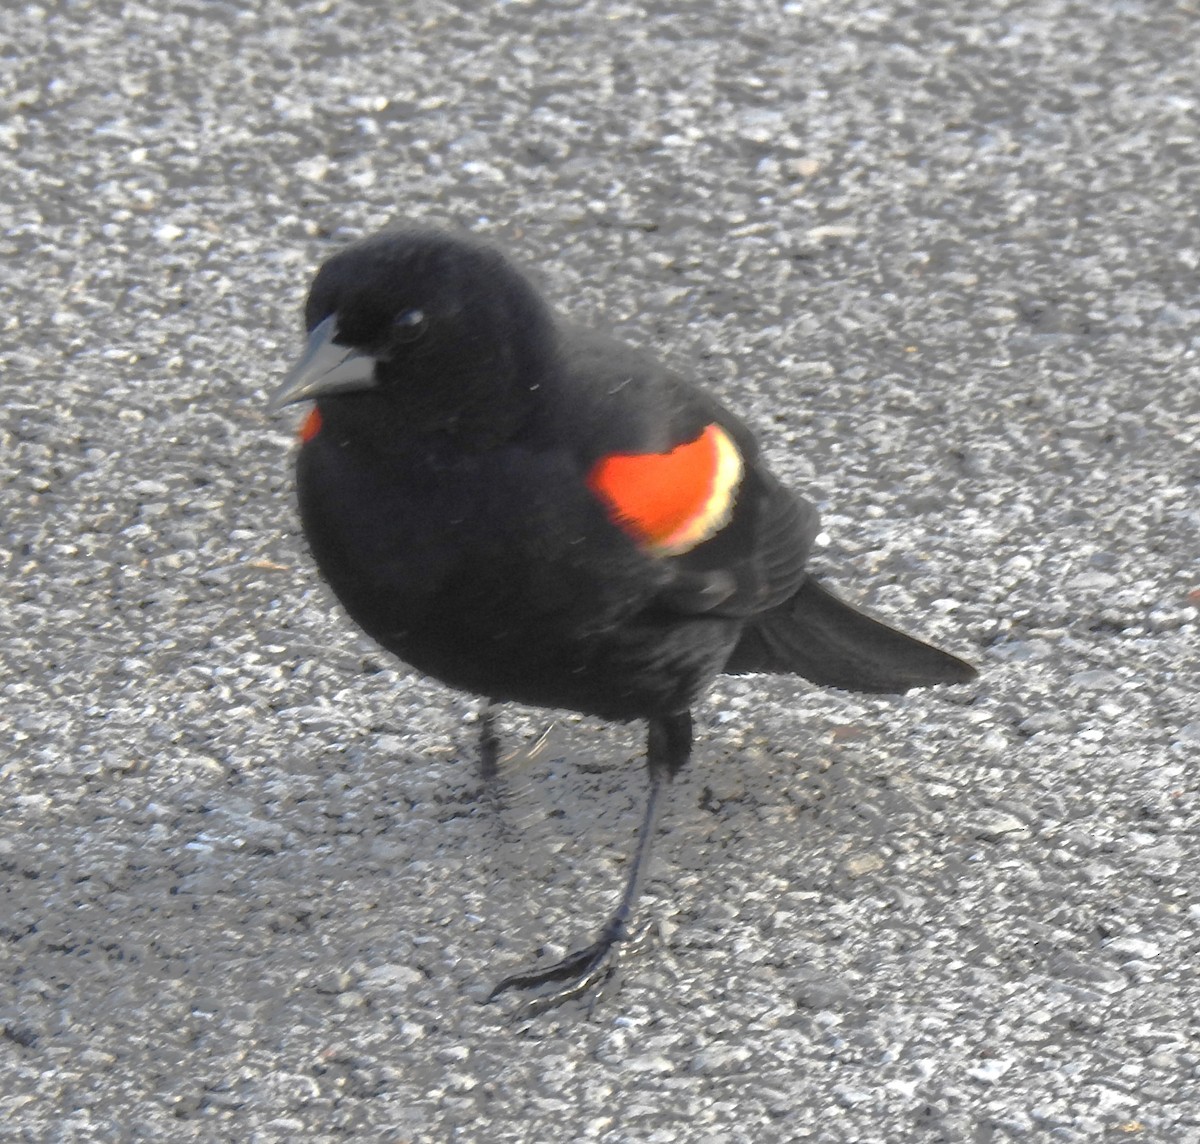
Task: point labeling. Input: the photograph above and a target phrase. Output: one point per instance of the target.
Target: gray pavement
(945, 256)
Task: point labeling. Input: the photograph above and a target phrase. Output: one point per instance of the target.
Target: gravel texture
(945, 256)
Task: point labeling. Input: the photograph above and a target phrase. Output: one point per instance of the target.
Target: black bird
(528, 510)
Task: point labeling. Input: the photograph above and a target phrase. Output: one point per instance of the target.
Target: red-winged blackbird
(532, 511)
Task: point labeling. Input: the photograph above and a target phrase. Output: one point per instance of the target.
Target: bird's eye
(408, 325)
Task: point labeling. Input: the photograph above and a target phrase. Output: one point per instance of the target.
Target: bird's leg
(489, 744)
(668, 745)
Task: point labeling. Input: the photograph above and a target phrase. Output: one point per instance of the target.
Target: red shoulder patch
(671, 502)
(311, 425)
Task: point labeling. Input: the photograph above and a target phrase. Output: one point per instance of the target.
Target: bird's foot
(577, 974)
(491, 757)
(522, 755)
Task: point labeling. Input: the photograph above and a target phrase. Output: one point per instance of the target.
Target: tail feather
(825, 640)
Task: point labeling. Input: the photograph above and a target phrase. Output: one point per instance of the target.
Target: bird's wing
(681, 476)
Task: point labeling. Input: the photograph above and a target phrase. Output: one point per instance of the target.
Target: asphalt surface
(945, 256)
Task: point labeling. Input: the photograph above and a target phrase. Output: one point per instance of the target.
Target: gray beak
(324, 368)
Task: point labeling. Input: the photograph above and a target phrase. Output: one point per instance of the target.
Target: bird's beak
(324, 367)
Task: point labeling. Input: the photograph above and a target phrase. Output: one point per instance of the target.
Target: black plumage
(473, 486)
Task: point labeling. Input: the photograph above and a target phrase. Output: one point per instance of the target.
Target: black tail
(824, 639)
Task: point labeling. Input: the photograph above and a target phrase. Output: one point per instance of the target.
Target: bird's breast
(503, 547)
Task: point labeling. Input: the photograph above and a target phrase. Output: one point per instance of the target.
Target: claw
(522, 755)
(566, 980)
(577, 974)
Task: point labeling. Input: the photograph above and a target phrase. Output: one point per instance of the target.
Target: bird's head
(435, 331)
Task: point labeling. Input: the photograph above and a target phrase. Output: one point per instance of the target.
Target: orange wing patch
(311, 425)
(671, 502)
